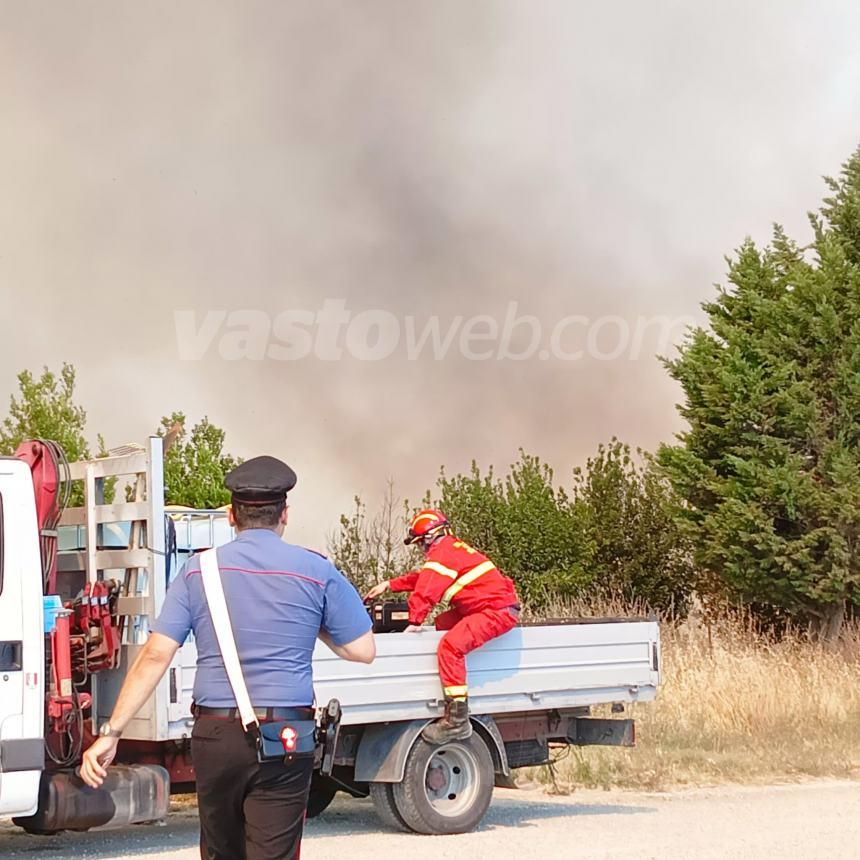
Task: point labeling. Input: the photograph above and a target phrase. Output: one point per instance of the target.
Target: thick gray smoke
(420, 159)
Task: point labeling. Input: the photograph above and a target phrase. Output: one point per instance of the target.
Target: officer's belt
(264, 715)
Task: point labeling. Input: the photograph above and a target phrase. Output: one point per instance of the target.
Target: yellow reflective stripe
(440, 568)
(453, 692)
(468, 579)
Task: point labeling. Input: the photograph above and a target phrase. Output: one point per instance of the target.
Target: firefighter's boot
(453, 726)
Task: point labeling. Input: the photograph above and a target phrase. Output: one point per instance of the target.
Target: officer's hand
(377, 591)
(96, 759)
(413, 628)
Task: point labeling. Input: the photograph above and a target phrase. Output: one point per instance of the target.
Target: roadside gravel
(809, 820)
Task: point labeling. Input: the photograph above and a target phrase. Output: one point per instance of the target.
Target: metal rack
(140, 565)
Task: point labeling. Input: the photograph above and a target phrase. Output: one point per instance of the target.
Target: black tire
(321, 795)
(447, 788)
(382, 794)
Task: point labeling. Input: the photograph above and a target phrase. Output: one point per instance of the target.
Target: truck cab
(22, 661)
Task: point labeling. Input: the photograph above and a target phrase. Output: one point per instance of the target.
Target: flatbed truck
(77, 599)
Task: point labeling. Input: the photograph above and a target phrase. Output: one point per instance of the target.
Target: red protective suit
(483, 604)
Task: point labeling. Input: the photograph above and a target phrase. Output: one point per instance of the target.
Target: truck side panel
(530, 668)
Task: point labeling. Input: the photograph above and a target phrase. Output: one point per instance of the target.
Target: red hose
(44, 459)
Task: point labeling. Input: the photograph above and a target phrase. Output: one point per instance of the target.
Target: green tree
(45, 409)
(769, 469)
(195, 464)
(640, 551)
(528, 526)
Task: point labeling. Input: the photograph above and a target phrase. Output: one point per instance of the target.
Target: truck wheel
(445, 789)
(386, 809)
(321, 795)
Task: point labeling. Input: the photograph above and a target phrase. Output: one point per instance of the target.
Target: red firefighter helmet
(425, 524)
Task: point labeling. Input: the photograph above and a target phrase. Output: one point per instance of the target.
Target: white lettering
(295, 342)
(512, 321)
(558, 331)
(594, 333)
(470, 334)
(431, 331)
(250, 338)
(330, 319)
(358, 335)
(194, 342)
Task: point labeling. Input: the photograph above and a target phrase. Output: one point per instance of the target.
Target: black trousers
(248, 810)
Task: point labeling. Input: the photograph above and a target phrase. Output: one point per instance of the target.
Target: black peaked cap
(261, 481)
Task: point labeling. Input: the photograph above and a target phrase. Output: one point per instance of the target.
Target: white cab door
(22, 646)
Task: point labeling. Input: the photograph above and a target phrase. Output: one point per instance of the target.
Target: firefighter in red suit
(483, 605)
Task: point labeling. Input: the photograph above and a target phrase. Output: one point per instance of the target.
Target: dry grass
(735, 705)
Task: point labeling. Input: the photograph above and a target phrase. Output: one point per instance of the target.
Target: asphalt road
(810, 820)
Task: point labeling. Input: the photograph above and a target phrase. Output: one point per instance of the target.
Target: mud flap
(590, 731)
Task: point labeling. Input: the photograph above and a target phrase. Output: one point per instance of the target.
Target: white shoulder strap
(214, 589)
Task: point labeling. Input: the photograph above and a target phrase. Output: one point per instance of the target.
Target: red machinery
(45, 460)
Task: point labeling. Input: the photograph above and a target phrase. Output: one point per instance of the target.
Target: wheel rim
(451, 780)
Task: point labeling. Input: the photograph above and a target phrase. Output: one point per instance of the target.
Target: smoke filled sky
(162, 162)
